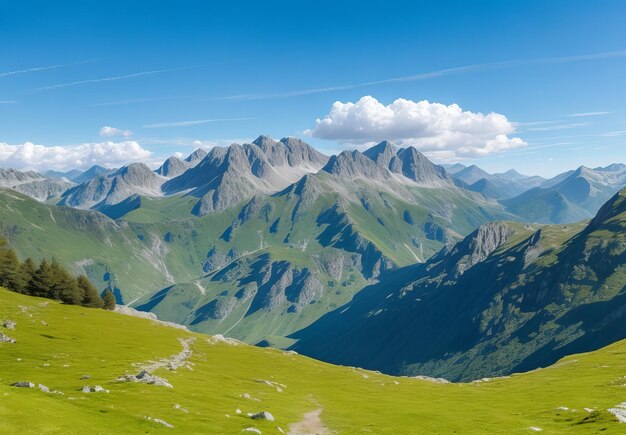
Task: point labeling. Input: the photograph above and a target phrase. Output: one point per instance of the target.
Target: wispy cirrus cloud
(430, 75)
(47, 67)
(586, 114)
(106, 79)
(136, 101)
(193, 122)
(7, 101)
(560, 126)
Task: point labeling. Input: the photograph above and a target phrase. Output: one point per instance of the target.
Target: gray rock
(6, 339)
(9, 324)
(23, 384)
(263, 416)
(94, 389)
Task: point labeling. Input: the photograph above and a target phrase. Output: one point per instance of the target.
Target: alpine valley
(378, 259)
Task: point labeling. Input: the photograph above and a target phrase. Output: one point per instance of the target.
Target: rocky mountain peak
(197, 156)
(382, 153)
(354, 164)
(173, 167)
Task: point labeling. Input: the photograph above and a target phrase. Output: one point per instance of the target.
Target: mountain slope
(507, 298)
(284, 260)
(57, 345)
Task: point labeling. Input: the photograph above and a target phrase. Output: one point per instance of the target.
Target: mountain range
(276, 244)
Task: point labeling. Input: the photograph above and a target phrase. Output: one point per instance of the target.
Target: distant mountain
(570, 196)
(227, 176)
(173, 166)
(196, 157)
(496, 186)
(508, 298)
(33, 184)
(110, 189)
(386, 161)
(70, 175)
(92, 172)
(453, 168)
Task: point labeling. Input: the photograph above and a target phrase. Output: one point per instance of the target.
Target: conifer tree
(91, 298)
(109, 300)
(10, 271)
(64, 286)
(43, 278)
(28, 272)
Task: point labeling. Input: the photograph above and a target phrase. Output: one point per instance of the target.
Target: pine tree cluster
(49, 280)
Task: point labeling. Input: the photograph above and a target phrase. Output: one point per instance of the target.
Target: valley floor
(216, 383)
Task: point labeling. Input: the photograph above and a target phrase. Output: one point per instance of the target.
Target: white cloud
(444, 131)
(107, 131)
(41, 158)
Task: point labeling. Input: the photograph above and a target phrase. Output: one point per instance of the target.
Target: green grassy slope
(57, 344)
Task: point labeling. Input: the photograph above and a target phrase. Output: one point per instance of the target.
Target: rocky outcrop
(262, 416)
(6, 339)
(341, 234)
(479, 245)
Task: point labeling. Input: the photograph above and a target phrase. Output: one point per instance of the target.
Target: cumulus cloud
(62, 158)
(445, 131)
(108, 131)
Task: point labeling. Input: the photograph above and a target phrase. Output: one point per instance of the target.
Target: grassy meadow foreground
(220, 382)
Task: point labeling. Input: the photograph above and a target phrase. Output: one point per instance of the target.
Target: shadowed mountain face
(507, 298)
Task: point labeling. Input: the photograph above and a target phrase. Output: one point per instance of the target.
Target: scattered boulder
(83, 377)
(94, 389)
(219, 338)
(619, 411)
(23, 384)
(9, 324)
(263, 416)
(145, 377)
(6, 338)
(251, 429)
(158, 420)
(177, 406)
(249, 397)
(45, 389)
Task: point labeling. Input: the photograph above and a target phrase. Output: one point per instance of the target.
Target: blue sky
(554, 69)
